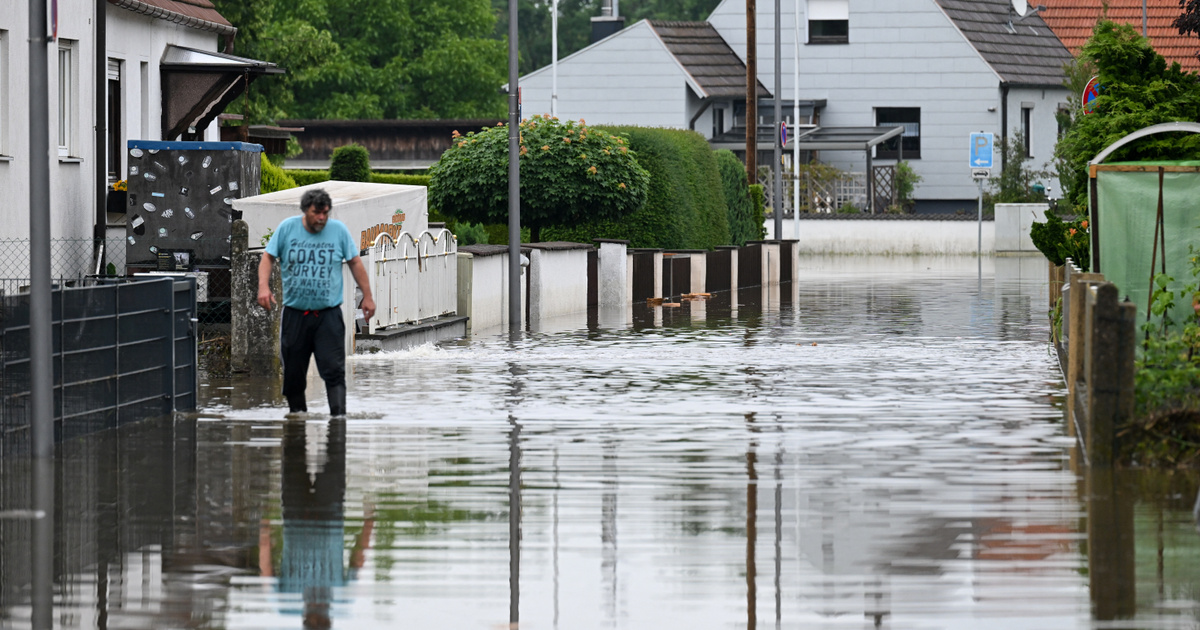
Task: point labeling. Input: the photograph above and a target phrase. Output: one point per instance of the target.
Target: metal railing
(412, 278)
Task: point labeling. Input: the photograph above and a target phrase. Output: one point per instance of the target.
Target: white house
(941, 68)
(152, 71)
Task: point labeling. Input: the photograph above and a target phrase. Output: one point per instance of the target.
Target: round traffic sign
(1089, 95)
(783, 134)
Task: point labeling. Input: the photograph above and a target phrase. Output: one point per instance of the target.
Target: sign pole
(979, 245)
(514, 177)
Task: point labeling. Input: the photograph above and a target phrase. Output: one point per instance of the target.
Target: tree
(569, 174)
(371, 58)
(1188, 22)
(1138, 89)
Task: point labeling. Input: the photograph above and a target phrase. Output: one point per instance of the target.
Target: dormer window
(828, 21)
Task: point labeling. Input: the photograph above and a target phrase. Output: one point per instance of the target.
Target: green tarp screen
(1127, 206)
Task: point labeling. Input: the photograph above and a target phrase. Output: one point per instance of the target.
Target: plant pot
(116, 200)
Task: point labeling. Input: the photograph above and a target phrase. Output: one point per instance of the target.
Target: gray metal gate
(123, 351)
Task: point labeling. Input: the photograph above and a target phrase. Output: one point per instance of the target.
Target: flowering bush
(570, 174)
(121, 185)
(1060, 240)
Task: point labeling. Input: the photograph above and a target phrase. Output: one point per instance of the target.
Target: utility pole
(41, 376)
(777, 167)
(554, 58)
(514, 176)
(796, 122)
(751, 92)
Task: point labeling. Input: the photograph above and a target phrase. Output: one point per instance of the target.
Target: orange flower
(454, 134)
(567, 140)
(524, 150)
(592, 170)
(624, 150)
(1084, 224)
(462, 144)
(621, 185)
(545, 147)
(1072, 231)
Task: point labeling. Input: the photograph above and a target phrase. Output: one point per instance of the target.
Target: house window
(910, 119)
(828, 21)
(115, 152)
(66, 97)
(1026, 117)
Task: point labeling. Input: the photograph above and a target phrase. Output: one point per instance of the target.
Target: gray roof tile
(1023, 51)
(706, 56)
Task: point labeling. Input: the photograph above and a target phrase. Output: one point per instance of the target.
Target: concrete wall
(613, 274)
(557, 279)
(483, 286)
(626, 79)
(894, 237)
(1013, 222)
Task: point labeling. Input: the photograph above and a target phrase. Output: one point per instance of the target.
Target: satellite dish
(1020, 7)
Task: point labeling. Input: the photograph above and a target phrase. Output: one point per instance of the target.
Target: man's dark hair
(315, 197)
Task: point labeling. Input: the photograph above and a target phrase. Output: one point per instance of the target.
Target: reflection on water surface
(882, 447)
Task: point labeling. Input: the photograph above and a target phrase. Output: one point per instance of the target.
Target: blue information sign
(981, 150)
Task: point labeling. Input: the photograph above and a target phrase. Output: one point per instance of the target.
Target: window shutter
(829, 9)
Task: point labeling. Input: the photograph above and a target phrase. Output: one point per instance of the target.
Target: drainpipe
(101, 144)
(704, 108)
(1003, 123)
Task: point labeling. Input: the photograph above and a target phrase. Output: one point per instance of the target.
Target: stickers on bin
(150, 177)
(162, 232)
(168, 213)
(189, 213)
(138, 224)
(183, 159)
(215, 190)
(149, 207)
(159, 165)
(183, 191)
(207, 160)
(153, 151)
(137, 153)
(233, 186)
(195, 235)
(157, 194)
(133, 170)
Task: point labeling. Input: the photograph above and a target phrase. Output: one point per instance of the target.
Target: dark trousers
(305, 333)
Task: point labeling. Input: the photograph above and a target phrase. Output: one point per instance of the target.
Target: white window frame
(67, 97)
(828, 11)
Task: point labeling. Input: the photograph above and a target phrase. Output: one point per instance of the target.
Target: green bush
(739, 207)
(272, 178)
(350, 163)
(758, 195)
(570, 174)
(306, 177)
(685, 204)
(470, 233)
(1059, 240)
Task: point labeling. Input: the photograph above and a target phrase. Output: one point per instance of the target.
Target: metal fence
(76, 261)
(124, 350)
(412, 277)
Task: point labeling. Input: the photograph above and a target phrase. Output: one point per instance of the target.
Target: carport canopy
(846, 138)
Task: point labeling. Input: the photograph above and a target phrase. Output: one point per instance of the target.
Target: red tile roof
(1074, 20)
(199, 14)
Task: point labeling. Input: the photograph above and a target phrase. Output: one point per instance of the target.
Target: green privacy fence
(1124, 212)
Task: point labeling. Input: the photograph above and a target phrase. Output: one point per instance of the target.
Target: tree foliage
(371, 58)
(1138, 89)
(575, 23)
(570, 173)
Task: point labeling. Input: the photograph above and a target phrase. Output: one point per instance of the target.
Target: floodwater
(880, 445)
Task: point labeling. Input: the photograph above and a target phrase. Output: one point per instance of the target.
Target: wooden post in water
(1108, 366)
(1081, 284)
(1110, 529)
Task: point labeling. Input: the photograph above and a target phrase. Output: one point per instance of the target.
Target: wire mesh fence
(76, 260)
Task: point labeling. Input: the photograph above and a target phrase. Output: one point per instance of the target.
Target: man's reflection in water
(314, 524)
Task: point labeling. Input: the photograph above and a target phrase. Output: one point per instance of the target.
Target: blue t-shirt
(311, 264)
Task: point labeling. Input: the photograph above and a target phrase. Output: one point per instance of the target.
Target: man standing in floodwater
(311, 248)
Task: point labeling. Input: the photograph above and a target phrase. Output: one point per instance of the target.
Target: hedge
(272, 177)
(685, 207)
(739, 205)
(306, 177)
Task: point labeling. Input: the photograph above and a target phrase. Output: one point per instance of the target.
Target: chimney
(608, 22)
